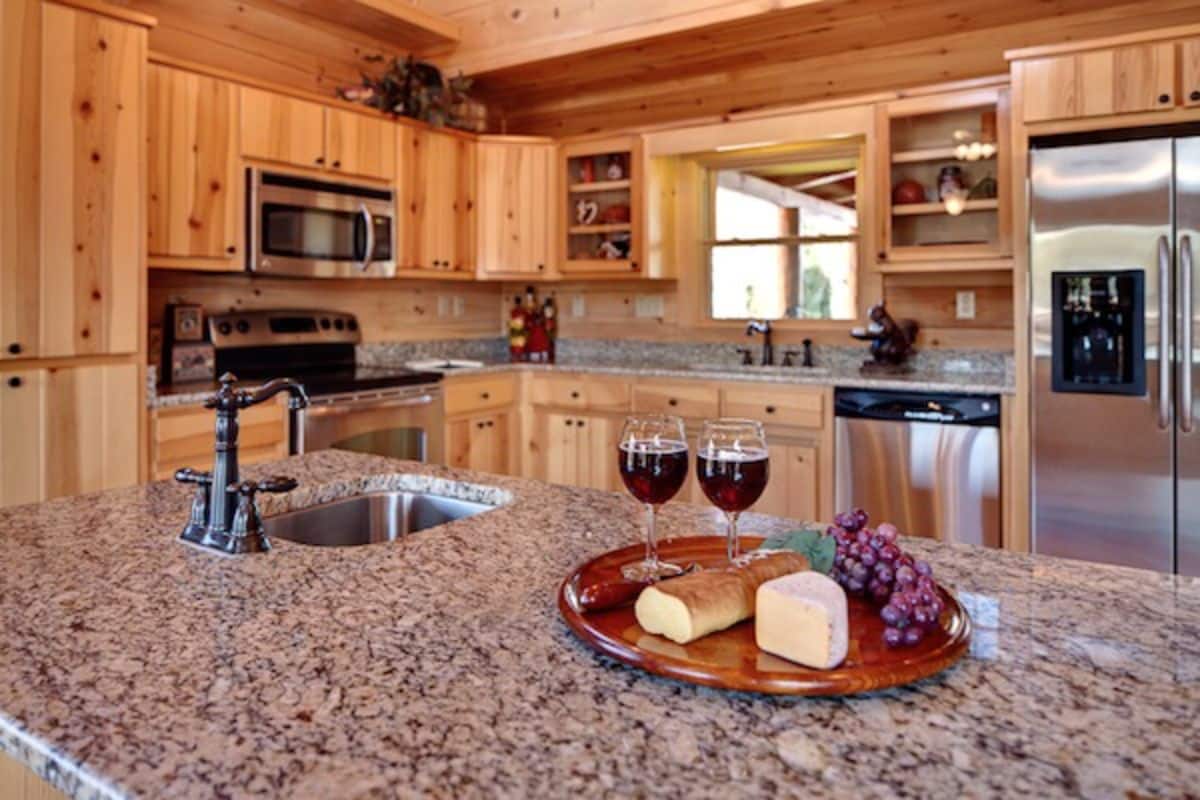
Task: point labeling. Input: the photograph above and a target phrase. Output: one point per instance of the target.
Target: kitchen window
(783, 234)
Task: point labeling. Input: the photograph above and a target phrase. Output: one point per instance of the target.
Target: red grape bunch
(869, 563)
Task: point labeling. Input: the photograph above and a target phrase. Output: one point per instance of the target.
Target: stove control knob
(243, 326)
(339, 323)
(224, 328)
(352, 324)
(324, 323)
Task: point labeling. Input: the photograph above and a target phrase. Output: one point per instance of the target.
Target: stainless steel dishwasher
(927, 462)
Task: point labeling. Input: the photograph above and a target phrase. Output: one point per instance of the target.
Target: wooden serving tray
(730, 659)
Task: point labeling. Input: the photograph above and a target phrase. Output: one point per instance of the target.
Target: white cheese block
(803, 618)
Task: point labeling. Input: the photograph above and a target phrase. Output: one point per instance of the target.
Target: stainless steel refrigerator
(1116, 444)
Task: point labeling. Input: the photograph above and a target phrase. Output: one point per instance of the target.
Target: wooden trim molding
(1155, 35)
(111, 11)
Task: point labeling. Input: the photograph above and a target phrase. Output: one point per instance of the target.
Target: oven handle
(337, 408)
(369, 221)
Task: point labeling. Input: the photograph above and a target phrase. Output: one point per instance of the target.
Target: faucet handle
(189, 475)
(277, 484)
(747, 356)
(246, 534)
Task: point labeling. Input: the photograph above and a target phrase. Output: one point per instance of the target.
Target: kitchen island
(135, 666)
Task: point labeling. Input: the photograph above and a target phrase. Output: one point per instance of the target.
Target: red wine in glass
(733, 479)
(653, 471)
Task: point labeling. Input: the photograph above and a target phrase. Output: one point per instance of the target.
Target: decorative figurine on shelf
(518, 331)
(616, 168)
(615, 214)
(615, 248)
(891, 341)
(587, 170)
(951, 182)
(907, 192)
(586, 212)
(985, 189)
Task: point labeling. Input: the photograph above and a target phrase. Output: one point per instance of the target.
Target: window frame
(854, 147)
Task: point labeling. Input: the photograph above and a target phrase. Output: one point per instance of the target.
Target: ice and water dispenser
(1099, 332)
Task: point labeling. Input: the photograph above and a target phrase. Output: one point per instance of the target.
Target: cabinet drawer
(793, 407)
(467, 395)
(184, 437)
(679, 399)
(582, 392)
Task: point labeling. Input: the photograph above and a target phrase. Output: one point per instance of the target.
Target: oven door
(404, 423)
(306, 227)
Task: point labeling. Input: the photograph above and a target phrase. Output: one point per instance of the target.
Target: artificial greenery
(411, 88)
(811, 543)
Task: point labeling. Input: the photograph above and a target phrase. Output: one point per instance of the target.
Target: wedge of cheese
(803, 618)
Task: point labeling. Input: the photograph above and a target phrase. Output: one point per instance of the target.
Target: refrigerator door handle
(1164, 333)
(1186, 417)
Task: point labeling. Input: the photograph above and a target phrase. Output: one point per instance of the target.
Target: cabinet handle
(1164, 98)
(633, 265)
(574, 395)
(672, 402)
(1195, 95)
(15, 382)
(479, 425)
(770, 409)
(579, 422)
(485, 395)
(320, 159)
(882, 256)
(491, 424)
(337, 164)
(570, 422)
(15, 348)
(231, 249)
(541, 267)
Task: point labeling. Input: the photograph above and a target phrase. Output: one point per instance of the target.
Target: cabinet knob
(491, 423)
(15, 382)
(574, 395)
(882, 256)
(541, 267)
(485, 395)
(337, 165)
(1164, 98)
(633, 265)
(579, 422)
(231, 249)
(672, 402)
(770, 409)
(479, 425)
(320, 159)
(570, 422)
(1195, 95)
(15, 348)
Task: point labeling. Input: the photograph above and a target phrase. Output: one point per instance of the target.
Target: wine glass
(653, 456)
(733, 465)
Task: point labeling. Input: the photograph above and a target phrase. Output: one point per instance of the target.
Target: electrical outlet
(458, 307)
(443, 305)
(578, 306)
(648, 305)
(964, 305)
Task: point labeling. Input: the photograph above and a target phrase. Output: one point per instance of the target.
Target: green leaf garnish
(811, 543)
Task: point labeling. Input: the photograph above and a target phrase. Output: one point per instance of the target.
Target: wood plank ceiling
(814, 51)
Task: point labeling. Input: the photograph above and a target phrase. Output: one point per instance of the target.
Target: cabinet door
(775, 499)
(1189, 52)
(20, 134)
(357, 144)
(193, 168)
(22, 429)
(1119, 80)
(515, 189)
(803, 486)
(280, 128)
(91, 419)
(183, 437)
(561, 457)
(93, 240)
(597, 463)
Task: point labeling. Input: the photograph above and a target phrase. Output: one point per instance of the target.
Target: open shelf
(618, 227)
(598, 186)
(915, 209)
(932, 154)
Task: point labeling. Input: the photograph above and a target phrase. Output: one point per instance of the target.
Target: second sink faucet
(764, 327)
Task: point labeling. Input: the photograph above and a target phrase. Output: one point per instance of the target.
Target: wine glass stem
(733, 547)
(651, 541)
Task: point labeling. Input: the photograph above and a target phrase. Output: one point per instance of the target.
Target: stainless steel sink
(369, 518)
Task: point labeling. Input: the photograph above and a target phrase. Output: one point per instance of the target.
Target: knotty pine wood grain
(92, 182)
(387, 310)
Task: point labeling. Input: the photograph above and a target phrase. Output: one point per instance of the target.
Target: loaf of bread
(687, 608)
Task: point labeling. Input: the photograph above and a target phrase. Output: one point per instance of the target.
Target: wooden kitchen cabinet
(1119, 80)
(67, 431)
(91, 181)
(183, 436)
(194, 198)
(580, 450)
(435, 203)
(481, 442)
(516, 181)
(794, 488)
(276, 127)
(1189, 69)
(357, 144)
(600, 202)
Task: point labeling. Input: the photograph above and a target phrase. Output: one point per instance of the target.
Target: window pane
(808, 281)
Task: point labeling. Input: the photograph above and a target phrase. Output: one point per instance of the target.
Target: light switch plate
(964, 305)
(443, 305)
(458, 307)
(578, 306)
(648, 305)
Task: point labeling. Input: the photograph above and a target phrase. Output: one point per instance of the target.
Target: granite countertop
(928, 380)
(135, 666)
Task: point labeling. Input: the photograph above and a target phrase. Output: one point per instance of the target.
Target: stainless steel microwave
(305, 227)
